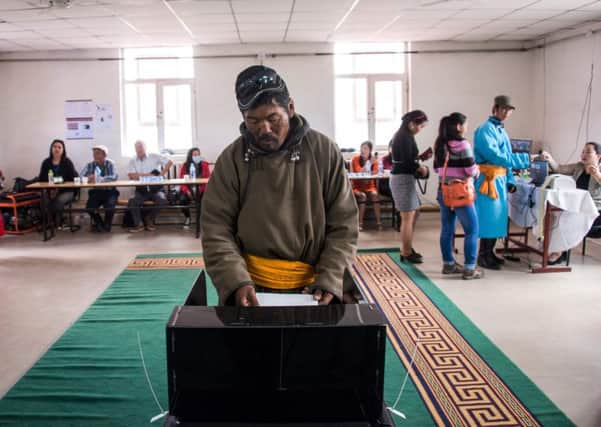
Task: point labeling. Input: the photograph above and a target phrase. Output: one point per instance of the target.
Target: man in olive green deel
(278, 214)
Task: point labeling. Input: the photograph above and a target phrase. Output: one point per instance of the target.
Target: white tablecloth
(568, 228)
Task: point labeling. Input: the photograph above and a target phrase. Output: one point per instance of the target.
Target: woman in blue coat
(492, 152)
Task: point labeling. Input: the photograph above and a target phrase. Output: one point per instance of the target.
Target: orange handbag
(456, 192)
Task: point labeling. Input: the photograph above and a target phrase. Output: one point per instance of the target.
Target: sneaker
(187, 223)
(413, 259)
(473, 274)
(148, 225)
(452, 269)
(136, 229)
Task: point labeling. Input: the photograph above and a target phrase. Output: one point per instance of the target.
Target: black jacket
(65, 169)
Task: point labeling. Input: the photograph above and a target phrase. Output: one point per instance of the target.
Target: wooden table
(45, 188)
(531, 206)
(522, 246)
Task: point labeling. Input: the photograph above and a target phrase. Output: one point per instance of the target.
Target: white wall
(467, 83)
(563, 73)
(31, 113)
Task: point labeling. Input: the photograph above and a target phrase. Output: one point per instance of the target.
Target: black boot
(486, 257)
(108, 220)
(97, 223)
(498, 260)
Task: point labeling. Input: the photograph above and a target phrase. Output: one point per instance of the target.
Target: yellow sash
(491, 173)
(279, 273)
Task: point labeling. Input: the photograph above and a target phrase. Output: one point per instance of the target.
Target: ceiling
(27, 25)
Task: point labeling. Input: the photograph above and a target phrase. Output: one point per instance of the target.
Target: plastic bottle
(50, 176)
(192, 171)
(380, 167)
(97, 174)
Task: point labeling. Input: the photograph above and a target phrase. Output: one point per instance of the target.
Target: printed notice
(79, 118)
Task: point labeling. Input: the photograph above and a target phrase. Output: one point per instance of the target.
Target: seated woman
(201, 169)
(61, 166)
(365, 189)
(587, 176)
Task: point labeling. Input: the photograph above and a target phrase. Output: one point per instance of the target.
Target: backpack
(22, 183)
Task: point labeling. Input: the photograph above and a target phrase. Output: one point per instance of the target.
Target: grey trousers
(57, 206)
(136, 202)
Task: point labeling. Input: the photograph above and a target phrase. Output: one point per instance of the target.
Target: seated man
(101, 170)
(587, 175)
(146, 165)
(278, 213)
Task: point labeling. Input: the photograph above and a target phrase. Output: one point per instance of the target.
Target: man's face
(140, 150)
(99, 156)
(502, 113)
(589, 155)
(269, 124)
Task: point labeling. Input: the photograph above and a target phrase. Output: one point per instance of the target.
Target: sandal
(380, 226)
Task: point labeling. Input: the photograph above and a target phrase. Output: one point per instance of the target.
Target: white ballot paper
(279, 300)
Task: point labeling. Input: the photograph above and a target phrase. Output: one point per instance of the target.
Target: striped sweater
(461, 161)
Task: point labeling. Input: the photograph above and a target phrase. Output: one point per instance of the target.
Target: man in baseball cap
(102, 148)
(503, 101)
(278, 214)
(255, 81)
(493, 154)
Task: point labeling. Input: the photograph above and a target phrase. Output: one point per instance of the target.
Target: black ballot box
(269, 366)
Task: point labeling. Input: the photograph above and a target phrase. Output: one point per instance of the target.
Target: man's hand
(134, 176)
(546, 156)
(91, 178)
(422, 171)
(322, 297)
(351, 297)
(246, 296)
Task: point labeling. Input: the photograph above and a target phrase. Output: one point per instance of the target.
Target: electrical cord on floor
(156, 399)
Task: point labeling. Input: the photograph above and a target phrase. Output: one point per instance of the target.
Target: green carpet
(93, 375)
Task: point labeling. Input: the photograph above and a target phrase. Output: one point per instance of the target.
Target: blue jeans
(469, 221)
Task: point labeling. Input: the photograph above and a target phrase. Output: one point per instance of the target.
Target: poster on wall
(79, 118)
(104, 116)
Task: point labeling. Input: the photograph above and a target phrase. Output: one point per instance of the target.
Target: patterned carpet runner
(457, 385)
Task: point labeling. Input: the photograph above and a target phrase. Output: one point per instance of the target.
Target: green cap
(504, 101)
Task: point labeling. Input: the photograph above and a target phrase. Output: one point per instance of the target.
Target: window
(370, 93)
(158, 99)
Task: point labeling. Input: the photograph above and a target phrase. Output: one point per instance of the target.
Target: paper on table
(278, 300)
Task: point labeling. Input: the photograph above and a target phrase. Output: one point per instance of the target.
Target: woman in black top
(61, 166)
(405, 167)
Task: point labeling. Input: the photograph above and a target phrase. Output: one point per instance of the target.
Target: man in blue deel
(492, 150)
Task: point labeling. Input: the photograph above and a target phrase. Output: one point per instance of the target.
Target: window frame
(159, 84)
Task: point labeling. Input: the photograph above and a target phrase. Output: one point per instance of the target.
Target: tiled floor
(549, 324)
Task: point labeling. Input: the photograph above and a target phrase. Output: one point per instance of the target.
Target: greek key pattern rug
(175, 263)
(457, 386)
